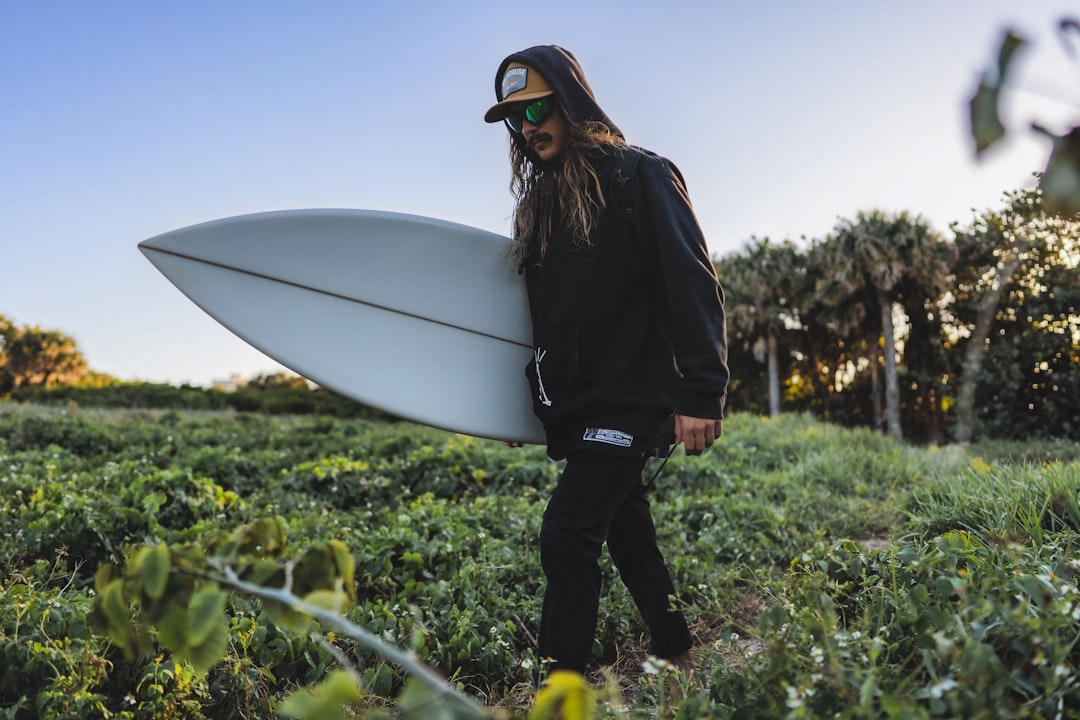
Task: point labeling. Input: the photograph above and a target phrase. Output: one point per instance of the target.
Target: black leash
(660, 469)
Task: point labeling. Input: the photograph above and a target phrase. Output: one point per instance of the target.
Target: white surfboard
(420, 318)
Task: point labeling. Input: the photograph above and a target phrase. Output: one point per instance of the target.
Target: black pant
(600, 497)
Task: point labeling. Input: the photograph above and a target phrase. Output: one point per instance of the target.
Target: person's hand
(697, 434)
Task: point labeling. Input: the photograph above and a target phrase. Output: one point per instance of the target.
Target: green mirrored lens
(539, 111)
(535, 113)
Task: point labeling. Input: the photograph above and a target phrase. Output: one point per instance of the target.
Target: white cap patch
(514, 80)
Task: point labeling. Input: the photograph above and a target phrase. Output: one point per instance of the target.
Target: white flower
(941, 687)
(818, 655)
(525, 664)
(796, 695)
(655, 665)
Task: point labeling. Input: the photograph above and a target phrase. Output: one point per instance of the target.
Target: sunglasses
(535, 112)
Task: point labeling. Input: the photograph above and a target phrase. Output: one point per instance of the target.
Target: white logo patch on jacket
(608, 436)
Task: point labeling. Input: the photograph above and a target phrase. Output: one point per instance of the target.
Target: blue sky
(123, 120)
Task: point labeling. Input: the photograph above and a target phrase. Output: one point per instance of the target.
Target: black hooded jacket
(629, 329)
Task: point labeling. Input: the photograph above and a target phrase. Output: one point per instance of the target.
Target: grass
(825, 572)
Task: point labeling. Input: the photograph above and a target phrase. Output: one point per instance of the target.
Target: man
(629, 340)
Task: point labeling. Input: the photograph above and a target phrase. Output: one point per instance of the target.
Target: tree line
(30, 356)
(886, 323)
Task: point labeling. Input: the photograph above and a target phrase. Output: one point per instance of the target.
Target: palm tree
(925, 359)
(761, 283)
(866, 262)
(849, 309)
(929, 260)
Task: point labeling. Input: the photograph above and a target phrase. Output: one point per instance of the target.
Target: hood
(564, 74)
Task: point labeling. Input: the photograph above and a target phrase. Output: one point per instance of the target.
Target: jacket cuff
(711, 408)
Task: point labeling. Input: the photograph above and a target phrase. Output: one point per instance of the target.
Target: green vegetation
(257, 396)
(827, 572)
(32, 356)
(886, 324)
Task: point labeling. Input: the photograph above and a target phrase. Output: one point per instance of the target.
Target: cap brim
(499, 111)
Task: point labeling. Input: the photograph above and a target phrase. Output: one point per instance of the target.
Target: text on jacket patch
(611, 437)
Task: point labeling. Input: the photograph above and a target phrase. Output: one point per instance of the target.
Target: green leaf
(420, 702)
(155, 566)
(315, 570)
(345, 565)
(153, 502)
(264, 537)
(332, 600)
(285, 617)
(104, 576)
(867, 693)
(264, 572)
(1060, 182)
(115, 607)
(1006, 53)
(207, 654)
(173, 630)
(891, 705)
(325, 701)
(340, 686)
(944, 586)
(111, 616)
(206, 613)
(986, 125)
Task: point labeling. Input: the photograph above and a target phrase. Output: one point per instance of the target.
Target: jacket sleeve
(694, 299)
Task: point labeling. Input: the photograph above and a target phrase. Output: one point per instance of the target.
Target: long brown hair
(567, 190)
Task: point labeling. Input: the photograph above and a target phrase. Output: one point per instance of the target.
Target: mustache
(537, 138)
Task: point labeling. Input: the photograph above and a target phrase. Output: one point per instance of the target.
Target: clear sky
(120, 120)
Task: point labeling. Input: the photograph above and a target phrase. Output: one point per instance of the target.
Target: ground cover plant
(826, 572)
